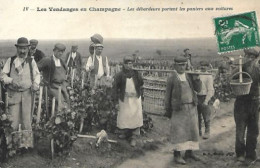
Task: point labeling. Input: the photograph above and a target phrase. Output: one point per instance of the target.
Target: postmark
(236, 32)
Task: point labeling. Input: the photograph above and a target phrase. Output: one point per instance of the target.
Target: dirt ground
(152, 151)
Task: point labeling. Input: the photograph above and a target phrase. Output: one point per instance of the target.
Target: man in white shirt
(22, 77)
(73, 59)
(97, 65)
(204, 97)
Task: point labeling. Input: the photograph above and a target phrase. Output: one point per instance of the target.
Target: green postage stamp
(236, 32)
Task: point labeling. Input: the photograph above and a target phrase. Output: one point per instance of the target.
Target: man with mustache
(22, 77)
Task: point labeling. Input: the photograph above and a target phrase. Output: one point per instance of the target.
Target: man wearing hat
(22, 77)
(97, 64)
(204, 97)
(246, 111)
(181, 107)
(54, 74)
(73, 59)
(187, 55)
(36, 53)
(127, 90)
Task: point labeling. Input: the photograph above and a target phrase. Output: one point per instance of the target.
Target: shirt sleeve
(210, 89)
(36, 73)
(6, 70)
(89, 63)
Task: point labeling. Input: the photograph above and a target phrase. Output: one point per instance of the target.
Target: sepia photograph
(129, 83)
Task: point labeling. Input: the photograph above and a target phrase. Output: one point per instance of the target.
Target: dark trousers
(205, 112)
(246, 114)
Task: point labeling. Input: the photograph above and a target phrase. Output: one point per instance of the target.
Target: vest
(24, 79)
(96, 65)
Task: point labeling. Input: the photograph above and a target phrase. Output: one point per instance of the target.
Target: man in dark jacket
(181, 106)
(127, 90)
(54, 74)
(246, 111)
(36, 53)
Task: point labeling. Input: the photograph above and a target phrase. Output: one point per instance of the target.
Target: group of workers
(187, 99)
(188, 96)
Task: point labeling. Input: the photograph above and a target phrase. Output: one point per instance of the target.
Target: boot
(207, 131)
(190, 154)
(178, 159)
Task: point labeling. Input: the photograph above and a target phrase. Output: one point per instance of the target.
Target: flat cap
(22, 42)
(204, 63)
(251, 51)
(59, 46)
(34, 41)
(128, 59)
(180, 60)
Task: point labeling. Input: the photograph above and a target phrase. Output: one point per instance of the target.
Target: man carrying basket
(246, 111)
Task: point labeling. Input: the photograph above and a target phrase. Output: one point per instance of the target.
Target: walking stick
(82, 119)
(72, 76)
(53, 107)
(46, 101)
(39, 106)
(33, 103)
(59, 98)
(82, 81)
(6, 102)
(52, 114)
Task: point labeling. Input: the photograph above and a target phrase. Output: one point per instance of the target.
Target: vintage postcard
(150, 117)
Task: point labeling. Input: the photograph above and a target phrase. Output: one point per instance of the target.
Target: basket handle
(237, 73)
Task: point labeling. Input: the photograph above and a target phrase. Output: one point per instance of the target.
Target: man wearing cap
(246, 111)
(22, 77)
(181, 106)
(187, 55)
(127, 90)
(54, 74)
(73, 59)
(97, 65)
(36, 53)
(204, 97)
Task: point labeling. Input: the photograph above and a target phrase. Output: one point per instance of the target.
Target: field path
(218, 151)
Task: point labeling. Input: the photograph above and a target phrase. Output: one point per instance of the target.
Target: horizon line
(85, 39)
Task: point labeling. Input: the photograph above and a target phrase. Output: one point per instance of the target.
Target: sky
(14, 22)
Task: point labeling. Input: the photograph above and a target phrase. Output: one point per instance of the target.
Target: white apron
(130, 111)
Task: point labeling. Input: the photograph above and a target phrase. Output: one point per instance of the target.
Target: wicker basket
(241, 88)
(23, 139)
(154, 93)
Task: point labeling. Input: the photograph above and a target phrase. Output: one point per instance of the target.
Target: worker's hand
(35, 87)
(15, 83)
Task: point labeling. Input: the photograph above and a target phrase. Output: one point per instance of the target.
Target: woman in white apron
(127, 89)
